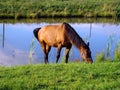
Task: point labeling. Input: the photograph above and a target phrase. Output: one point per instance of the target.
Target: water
(16, 39)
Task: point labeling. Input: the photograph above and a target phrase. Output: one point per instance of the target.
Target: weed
(31, 51)
(109, 45)
(100, 57)
(117, 52)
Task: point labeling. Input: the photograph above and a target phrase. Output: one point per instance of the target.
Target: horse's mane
(35, 31)
(74, 37)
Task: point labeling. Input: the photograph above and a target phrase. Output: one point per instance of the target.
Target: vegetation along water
(59, 8)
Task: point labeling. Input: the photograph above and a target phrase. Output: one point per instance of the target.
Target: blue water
(19, 36)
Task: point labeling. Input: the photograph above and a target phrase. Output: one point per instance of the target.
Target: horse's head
(86, 54)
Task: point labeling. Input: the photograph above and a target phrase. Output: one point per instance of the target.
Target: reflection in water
(3, 35)
(90, 30)
(16, 40)
(14, 57)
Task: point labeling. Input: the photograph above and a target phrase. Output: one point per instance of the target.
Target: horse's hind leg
(58, 53)
(67, 53)
(46, 50)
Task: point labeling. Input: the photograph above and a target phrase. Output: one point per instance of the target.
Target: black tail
(35, 32)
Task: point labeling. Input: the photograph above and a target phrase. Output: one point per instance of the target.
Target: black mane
(74, 37)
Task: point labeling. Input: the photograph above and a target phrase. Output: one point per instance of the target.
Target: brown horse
(61, 35)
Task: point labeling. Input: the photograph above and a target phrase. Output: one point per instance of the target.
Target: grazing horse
(61, 35)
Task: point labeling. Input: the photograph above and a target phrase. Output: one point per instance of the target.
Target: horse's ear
(88, 44)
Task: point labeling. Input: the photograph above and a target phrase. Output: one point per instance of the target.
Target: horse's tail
(35, 32)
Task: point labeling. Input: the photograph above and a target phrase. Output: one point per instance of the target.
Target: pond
(16, 39)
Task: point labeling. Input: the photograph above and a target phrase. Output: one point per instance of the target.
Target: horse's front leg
(67, 53)
(48, 48)
(58, 53)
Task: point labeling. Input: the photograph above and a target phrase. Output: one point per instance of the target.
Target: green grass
(71, 76)
(59, 8)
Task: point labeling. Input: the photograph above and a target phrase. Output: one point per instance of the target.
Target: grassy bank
(72, 76)
(59, 8)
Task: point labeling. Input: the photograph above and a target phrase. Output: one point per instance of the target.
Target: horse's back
(52, 34)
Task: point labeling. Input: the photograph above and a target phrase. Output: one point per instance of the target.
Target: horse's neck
(79, 43)
(74, 37)
(81, 47)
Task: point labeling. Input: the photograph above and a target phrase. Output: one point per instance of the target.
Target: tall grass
(100, 57)
(106, 56)
(31, 51)
(117, 52)
(59, 8)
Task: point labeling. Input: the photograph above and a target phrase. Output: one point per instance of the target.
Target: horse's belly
(51, 42)
(55, 43)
